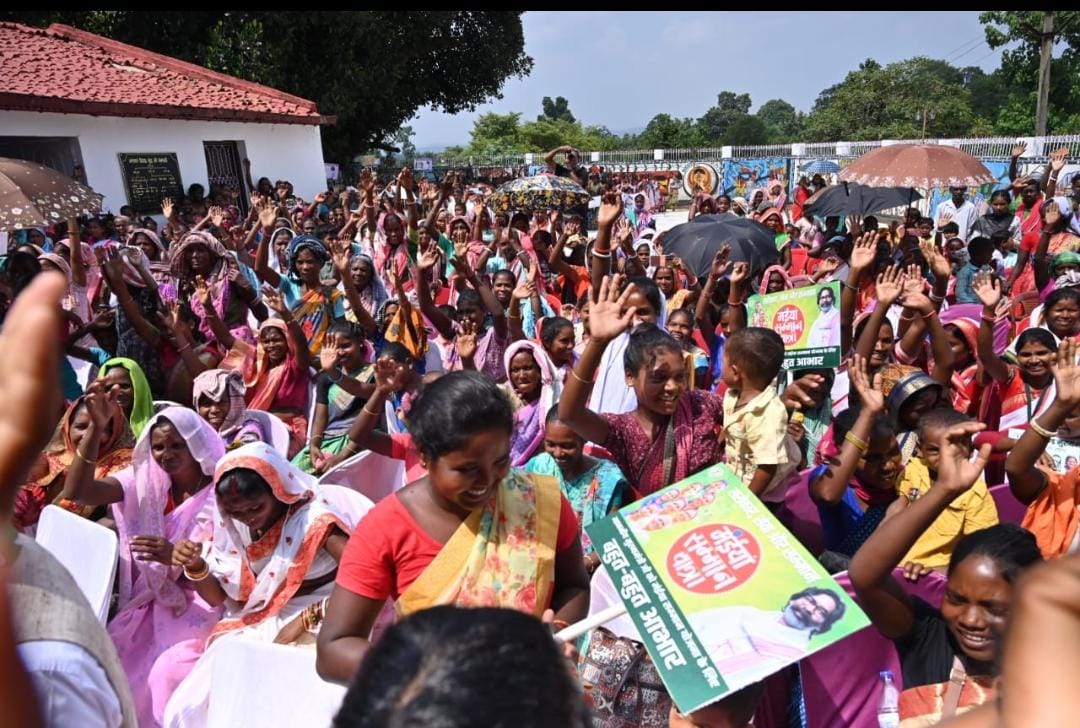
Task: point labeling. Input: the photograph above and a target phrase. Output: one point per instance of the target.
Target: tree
(782, 120)
(666, 132)
(496, 134)
(729, 107)
(557, 110)
(1020, 32)
(746, 130)
(372, 70)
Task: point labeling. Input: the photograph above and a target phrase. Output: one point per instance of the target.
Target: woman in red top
(472, 533)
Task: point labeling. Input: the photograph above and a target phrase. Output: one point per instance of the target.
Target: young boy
(980, 254)
(972, 511)
(757, 446)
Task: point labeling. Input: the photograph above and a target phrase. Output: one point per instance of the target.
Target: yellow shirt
(757, 435)
(969, 512)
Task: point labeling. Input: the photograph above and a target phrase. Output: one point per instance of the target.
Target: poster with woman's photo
(1064, 454)
(807, 319)
(721, 593)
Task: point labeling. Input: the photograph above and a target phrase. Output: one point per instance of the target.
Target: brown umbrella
(917, 165)
(32, 195)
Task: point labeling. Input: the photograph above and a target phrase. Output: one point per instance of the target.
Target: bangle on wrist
(989, 319)
(88, 461)
(199, 575)
(184, 348)
(849, 286)
(373, 414)
(1040, 430)
(930, 314)
(860, 444)
(575, 375)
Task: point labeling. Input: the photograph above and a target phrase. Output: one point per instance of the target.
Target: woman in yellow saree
(472, 533)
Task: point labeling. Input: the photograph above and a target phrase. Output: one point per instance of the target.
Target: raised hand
(167, 208)
(267, 214)
(113, 266)
(1019, 148)
(864, 252)
(202, 292)
(740, 272)
(939, 264)
(987, 288)
(524, 290)
(913, 281)
(461, 265)
(276, 302)
(611, 207)
(427, 260)
(889, 286)
(869, 391)
(1052, 212)
(217, 216)
(465, 341)
(956, 472)
(367, 182)
(609, 315)
(944, 219)
(387, 375)
(99, 407)
(341, 253)
(328, 355)
(1067, 373)
(720, 261)
(829, 265)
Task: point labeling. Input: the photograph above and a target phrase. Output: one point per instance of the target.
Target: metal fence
(657, 159)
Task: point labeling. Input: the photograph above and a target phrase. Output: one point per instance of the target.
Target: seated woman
(857, 483)
(272, 564)
(471, 533)
(275, 370)
(594, 487)
(948, 656)
(126, 384)
(534, 388)
(219, 398)
(114, 454)
(161, 622)
(340, 391)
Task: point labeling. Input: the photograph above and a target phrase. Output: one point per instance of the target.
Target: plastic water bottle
(888, 712)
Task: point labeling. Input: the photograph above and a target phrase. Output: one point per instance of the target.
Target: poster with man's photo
(807, 319)
(722, 594)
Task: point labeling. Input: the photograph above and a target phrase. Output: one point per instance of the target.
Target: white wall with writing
(277, 151)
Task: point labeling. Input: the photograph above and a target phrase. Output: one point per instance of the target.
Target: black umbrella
(697, 241)
(852, 198)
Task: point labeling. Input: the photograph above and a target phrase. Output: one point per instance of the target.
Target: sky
(620, 69)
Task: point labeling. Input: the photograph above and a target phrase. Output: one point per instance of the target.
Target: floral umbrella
(917, 165)
(540, 192)
(32, 195)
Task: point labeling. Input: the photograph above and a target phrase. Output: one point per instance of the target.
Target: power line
(969, 50)
(964, 45)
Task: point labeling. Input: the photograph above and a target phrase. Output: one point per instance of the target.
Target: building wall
(277, 151)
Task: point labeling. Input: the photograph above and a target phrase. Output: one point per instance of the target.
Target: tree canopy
(373, 70)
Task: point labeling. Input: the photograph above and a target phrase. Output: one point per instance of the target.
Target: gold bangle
(858, 443)
(88, 461)
(199, 576)
(575, 375)
(1040, 430)
(373, 414)
(350, 446)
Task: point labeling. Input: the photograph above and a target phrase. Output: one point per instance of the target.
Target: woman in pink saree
(164, 497)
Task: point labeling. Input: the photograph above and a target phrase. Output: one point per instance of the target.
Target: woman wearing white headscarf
(272, 563)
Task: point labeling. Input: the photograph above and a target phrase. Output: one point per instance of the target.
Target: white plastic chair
(272, 427)
(289, 692)
(368, 473)
(88, 551)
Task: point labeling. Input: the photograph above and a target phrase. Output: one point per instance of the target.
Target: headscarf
(408, 329)
(385, 256)
(767, 275)
(154, 238)
(217, 384)
(374, 293)
(143, 512)
(142, 407)
(217, 281)
(305, 242)
(261, 379)
(529, 419)
(59, 262)
(275, 264)
(289, 548)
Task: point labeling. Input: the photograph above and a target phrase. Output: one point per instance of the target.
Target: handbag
(622, 686)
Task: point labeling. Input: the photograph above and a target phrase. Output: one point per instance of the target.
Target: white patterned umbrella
(917, 165)
(33, 195)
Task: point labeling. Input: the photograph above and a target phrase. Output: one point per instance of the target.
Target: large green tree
(783, 121)
(555, 110)
(373, 70)
(729, 107)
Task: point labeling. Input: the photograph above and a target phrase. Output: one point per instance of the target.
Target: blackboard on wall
(149, 178)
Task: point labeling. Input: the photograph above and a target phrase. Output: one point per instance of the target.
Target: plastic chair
(841, 683)
(1009, 509)
(88, 551)
(369, 474)
(277, 432)
(288, 692)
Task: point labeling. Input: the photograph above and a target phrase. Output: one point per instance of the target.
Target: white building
(139, 123)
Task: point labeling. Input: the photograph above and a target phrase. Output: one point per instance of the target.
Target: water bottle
(888, 712)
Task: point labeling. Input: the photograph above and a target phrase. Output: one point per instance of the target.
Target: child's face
(930, 447)
(659, 383)
(644, 313)
(880, 467)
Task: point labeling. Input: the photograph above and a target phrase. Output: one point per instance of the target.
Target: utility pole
(1046, 53)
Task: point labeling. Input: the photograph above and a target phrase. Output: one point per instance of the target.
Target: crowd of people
(216, 379)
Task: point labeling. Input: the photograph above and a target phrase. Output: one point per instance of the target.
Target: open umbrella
(819, 166)
(852, 198)
(540, 192)
(917, 165)
(32, 195)
(697, 241)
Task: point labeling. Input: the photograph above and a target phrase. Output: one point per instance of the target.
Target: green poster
(807, 319)
(722, 594)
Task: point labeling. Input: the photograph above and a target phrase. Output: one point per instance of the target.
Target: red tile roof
(62, 69)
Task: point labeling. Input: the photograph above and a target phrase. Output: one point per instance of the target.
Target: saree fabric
(599, 490)
(528, 434)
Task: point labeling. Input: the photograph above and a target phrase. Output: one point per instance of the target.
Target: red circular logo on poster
(789, 322)
(714, 558)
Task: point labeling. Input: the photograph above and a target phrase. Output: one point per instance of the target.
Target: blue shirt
(964, 278)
